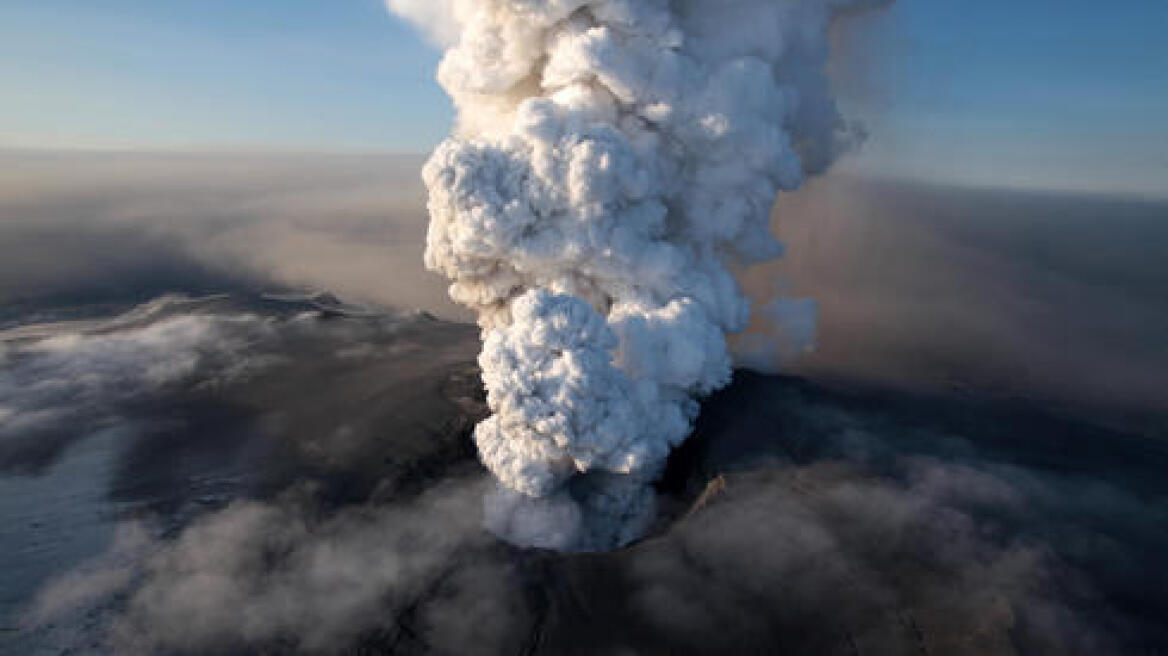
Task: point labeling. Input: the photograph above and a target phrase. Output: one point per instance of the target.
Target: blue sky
(1022, 93)
(1061, 94)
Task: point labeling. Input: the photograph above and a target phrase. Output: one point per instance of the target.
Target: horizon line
(840, 171)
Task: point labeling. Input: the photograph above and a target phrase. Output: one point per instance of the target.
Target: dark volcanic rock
(853, 521)
(839, 520)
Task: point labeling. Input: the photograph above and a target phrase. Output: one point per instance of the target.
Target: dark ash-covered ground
(239, 474)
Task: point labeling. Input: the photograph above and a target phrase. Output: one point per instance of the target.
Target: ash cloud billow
(611, 160)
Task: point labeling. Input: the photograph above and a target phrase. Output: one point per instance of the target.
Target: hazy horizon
(354, 224)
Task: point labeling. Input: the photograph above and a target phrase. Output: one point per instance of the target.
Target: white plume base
(593, 512)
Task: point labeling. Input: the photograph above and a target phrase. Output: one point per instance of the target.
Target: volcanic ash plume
(611, 158)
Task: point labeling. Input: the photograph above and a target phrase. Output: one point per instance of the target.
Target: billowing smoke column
(611, 158)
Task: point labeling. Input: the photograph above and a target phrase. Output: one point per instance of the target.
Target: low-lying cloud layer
(843, 526)
(59, 382)
(281, 575)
